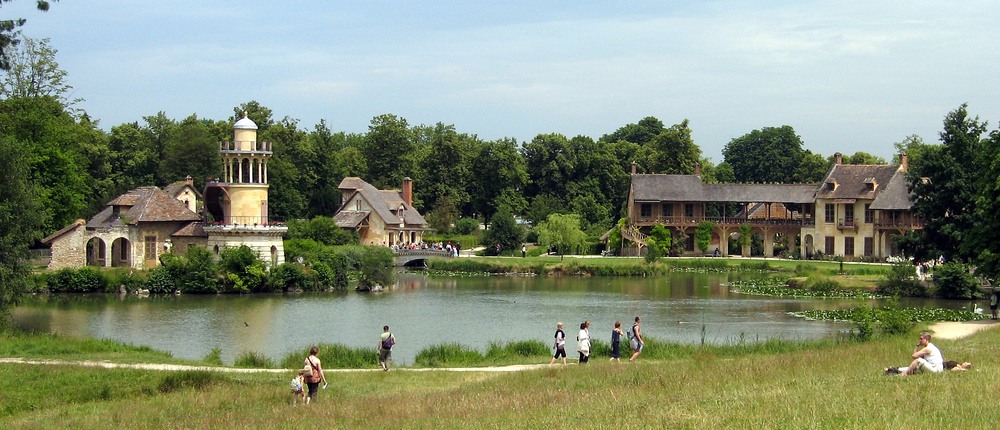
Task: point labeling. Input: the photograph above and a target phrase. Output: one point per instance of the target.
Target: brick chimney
(634, 167)
(697, 169)
(189, 181)
(408, 191)
(904, 162)
(838, 158)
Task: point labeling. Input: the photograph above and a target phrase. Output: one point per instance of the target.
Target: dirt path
(959, 329)
(181, 367)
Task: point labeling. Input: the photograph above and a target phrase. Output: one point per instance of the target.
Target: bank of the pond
(831, 387)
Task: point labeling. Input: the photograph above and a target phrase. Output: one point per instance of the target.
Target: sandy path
(181, 367)
(959, 329)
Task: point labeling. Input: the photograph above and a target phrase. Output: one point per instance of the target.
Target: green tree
(673, 151)
(985, 235)
(10, 31)
(19, 223)
(292, 175)
(328, 168)
(133, 157)
(258, 113)
(34, 72)
(703, 235)
(497, 177)
(503, 231)
(562, 232)
(659, 242)
(444, 169)
(639, 133)
(192, 149)
(388, 149)
(863, 158)
(550, 162)
(376, 267)
(770, 155)
(812, 168)
(945, 200)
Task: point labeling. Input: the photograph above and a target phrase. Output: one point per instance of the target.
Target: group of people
(311, 375)
(438, 246)
(583, 342)
(927, 358)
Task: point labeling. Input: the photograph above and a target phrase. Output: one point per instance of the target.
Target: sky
(848, 76)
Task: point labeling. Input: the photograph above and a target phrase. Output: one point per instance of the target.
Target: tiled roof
(177, 187)
(853, 181)
(350, 219)
(690, 188)
(385, 203)
(64, 230)
(143, 204)
(895, 196)
(192, 229)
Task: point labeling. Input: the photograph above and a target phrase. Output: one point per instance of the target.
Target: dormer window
(871, 184)
(831, 185)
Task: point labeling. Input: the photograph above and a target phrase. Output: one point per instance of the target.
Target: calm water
(424, 311)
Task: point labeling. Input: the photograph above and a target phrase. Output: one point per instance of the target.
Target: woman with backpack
(385, 343)
(313, 370)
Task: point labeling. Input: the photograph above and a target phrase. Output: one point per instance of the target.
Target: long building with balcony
(855, 212)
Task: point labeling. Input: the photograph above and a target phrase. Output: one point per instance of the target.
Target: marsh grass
(333, 355)
(253, 360)
(826, 386)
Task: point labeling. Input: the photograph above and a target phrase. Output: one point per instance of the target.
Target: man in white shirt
(926, 357)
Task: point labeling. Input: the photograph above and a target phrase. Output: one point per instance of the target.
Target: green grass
(833, 385)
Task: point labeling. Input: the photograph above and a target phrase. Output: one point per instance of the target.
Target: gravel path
(181, 367)
(959, 329)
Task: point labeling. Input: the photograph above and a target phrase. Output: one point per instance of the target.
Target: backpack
(296, 384)
(389, 342)
(631, 333)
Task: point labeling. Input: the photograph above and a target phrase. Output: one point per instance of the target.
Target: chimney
(408, 191)
(904, 162)
(189, 181)
(697, 169)
(838, 158)
(633, 167)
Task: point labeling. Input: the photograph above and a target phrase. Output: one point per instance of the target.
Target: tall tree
(504, 232)
(550, 163)
(258, 113)
(497, 177)
(985, 235)
(639, 133)
(19, 221)
(192, 149)
(388, 149)
(812, 168)
(34, 72)
(673, 151)
(10, 31)
(444, 170)
(291, 171)
(133, 157)
(325, 197)
(945, 189)
(770, 154)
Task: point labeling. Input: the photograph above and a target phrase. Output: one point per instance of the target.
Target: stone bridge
(417, 257)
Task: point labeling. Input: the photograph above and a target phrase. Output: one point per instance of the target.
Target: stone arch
(121, 252)
(808, 247)
(245, 171)
(274, 255)
(413, 237)
(97, 252)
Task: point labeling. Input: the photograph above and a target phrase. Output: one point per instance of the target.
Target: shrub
(448, 354)
(253, 359)
(899, 282)
(466, 226)
(83, 280)
(333, 356)
(214, 357)
(287, 277)
(954, 281)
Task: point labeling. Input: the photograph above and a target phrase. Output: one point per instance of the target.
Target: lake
(425, 310)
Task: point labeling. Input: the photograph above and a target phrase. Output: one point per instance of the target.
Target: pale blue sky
(847, 75)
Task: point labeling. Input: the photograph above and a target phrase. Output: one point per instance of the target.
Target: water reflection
(423, 311)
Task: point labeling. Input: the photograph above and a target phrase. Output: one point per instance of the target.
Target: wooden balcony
(693, 221)
(847, 224)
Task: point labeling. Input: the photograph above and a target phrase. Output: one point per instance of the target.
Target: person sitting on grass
(956, 366)
(926, 358)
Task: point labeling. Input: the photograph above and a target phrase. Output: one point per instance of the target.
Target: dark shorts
(584, 357)
(560, 352)
(384, 355)
(313, 388)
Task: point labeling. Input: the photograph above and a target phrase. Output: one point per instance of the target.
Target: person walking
(583, 342)
(994, 301)
(635, 341)
(313, 368)
(559, 344)
(616, 340)
(384, 349)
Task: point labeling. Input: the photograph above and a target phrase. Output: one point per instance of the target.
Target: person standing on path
(384, 351)
(583, 342)
(994, 301)
(559, 344)
(524, 251)
(314, 373)
(616, 340)
(636, 343)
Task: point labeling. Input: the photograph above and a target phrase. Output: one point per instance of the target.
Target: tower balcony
(245, 147)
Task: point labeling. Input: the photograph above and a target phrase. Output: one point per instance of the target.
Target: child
(616, 339)
(297, 392)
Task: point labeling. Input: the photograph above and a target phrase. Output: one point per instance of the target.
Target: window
(848, 214)
(150, 247)
(688, 210)
(869, 246)
(668, 210)
(829, 213)
(829, 246)
(848, 246)
(645, 210)
(869, 214)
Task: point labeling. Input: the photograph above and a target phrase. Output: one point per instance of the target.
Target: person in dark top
(616, 340)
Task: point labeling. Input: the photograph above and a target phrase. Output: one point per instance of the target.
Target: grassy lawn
(831, 385)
